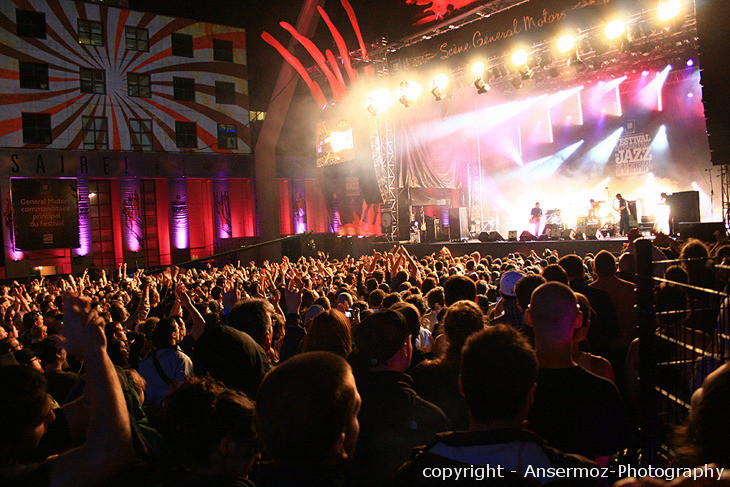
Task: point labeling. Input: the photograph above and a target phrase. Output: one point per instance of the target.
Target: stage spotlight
(379, 101)
(519, 57)
(438, 85)
(478, 70)
(409, 92)
(667, 10)
(566, 44)
(690, 62)
(614, 29)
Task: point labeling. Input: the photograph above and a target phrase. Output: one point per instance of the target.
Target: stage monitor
(335, 142)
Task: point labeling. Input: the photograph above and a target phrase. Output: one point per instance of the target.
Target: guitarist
(535, 217)
(623, 209)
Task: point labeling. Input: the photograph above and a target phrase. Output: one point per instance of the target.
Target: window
(34, 75)
(183, 89)
(256, 116)
(90, 32)
(101, 222)
(225, 93)
(92, 81)
(36, 128)
(137, 39)
(95, 133)
(227, 138)
(30, 24)
(139, 85)
(222, 50)
(186, 135)
(140, 133)
(182, 45)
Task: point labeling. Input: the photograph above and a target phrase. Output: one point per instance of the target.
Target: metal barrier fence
(683, 336)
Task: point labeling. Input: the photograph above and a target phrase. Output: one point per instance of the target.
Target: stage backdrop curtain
(435, 143)
(243, 208)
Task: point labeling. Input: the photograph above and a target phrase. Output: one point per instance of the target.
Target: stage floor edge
(501, 249)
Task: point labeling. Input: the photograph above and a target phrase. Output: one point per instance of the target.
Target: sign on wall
(46, 213)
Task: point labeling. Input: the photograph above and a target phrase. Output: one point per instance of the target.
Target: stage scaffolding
(725, 190)
(382, 147)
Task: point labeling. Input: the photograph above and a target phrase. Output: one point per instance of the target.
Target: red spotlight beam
(297, 65)
(338, 88)
(341, 46)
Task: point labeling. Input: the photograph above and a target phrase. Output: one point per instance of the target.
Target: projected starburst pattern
(79, 36)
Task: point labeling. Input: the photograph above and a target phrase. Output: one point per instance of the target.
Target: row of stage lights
(616, 31)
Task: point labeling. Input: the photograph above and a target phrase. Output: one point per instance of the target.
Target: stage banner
(530, 21)
(46, 213)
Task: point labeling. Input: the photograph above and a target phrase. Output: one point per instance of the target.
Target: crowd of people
(379, 370)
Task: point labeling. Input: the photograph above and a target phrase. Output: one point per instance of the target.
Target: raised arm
(108, 445)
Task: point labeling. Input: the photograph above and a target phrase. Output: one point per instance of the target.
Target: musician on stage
(535, 217)
(623, 209)
(594, 209)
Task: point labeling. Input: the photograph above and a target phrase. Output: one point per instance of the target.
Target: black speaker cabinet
(684, 206)
(458, 224)
(702, 231)
(386, 219)
(490, 237)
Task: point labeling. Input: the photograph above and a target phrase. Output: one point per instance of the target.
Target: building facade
(147, 113)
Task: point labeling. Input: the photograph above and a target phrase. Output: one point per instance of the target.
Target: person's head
(555, 273)
(676, 273)
(524, 288)
(25, 410)
(670, 304)
(118, 312)
(166, 333)
(627, 263)
(51, 353)
(344, 301)
(458, 288)
(384, 341)
(412, 316)
(507, 283)
(704, 438)
(462, 319)
(390, 299)
(618, 196)
(213, 428)
(253, 316)
(537, 204)
(435, 298)
(573, 266)
(375, 298)
(581, 333)
(554, 315)
(329, 331)
(694, 256)
(498, 376)
(306, 411)
(604, 264)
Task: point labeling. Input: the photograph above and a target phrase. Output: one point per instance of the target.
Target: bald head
(554, 312)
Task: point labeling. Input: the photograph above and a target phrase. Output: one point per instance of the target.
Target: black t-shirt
(579, 412)
(60, 384)
(536, 212)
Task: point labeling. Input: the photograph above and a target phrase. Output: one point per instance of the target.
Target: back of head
(252, 316)
(411, 315)
(555, 273)
(604, 264)
(329, 332)
(435, 297)
(458, 288)
(303, 406)
(553, 311)
(706, 434)
(380, 336)
(462, 319)
(573, 266)
(375, 298)
(498, 369)
(525, 287)
(199, 414)
(21, 407)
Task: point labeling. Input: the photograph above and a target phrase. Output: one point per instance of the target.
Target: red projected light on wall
(335, 142)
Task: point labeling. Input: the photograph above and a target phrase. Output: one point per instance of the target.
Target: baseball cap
(508, 281)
